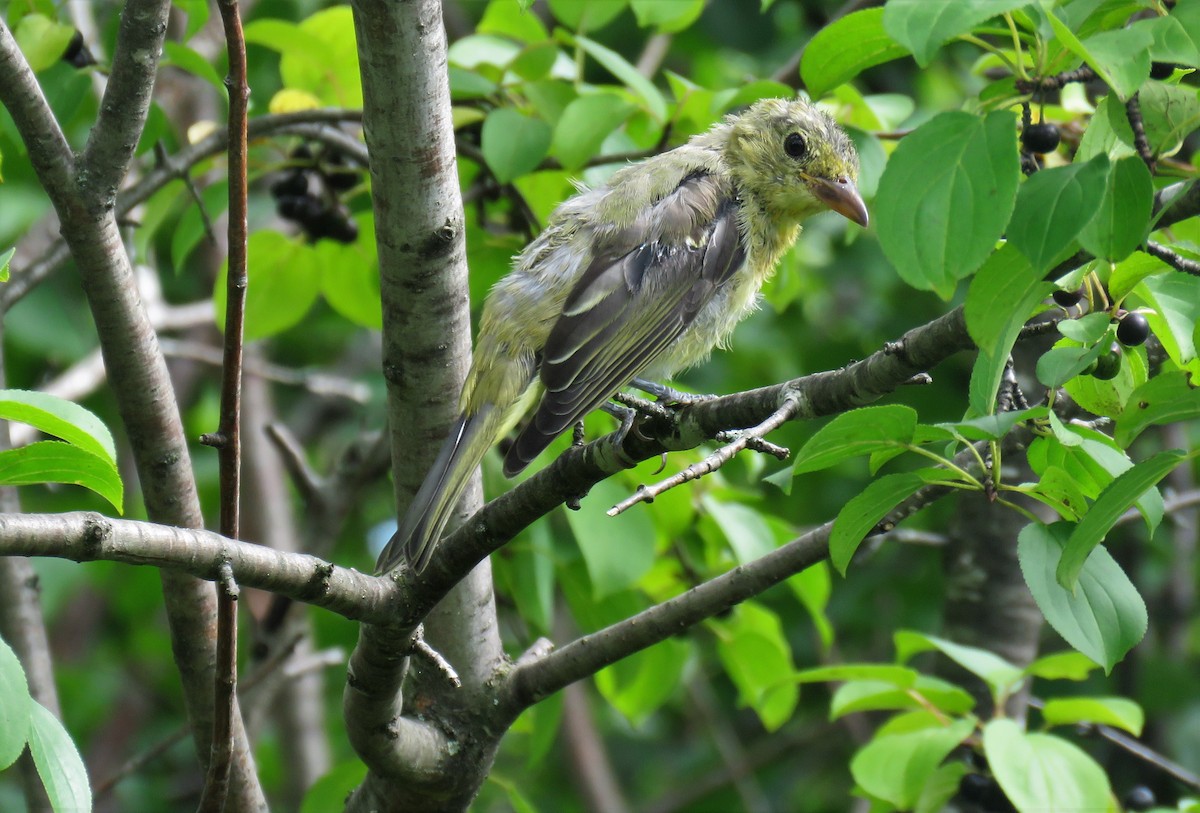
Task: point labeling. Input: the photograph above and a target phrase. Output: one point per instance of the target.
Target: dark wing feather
(639, 294)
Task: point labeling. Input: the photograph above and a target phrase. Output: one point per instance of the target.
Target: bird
(640, 278)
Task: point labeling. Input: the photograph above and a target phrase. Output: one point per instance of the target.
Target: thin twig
(229, 450)
(310, 484)
(434, 658)
(281, 659)
(713, 462)
(1173, 259)
(318, 383)
(1133, 112)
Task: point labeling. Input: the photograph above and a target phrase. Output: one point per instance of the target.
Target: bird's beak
(842, 197)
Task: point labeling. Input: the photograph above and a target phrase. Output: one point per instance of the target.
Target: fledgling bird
(639, 278)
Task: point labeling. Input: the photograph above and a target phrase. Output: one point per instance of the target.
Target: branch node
(216, 440)
(226, 582)
(434, 658)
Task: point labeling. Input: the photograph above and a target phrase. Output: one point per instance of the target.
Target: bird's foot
(669, 396)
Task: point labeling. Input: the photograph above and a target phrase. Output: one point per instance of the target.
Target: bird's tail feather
(469, 439)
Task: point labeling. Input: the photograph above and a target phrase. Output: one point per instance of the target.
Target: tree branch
(126, 101)
(87, 537)
(312, 124)
(580, 468)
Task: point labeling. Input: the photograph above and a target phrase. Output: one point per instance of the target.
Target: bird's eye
(795, 146)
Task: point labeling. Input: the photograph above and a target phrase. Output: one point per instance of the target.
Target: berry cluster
(1133, 329)
(307, 193)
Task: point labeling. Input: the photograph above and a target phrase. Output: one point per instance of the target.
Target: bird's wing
(642, 289)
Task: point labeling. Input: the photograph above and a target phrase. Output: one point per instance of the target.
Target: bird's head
(795, 160)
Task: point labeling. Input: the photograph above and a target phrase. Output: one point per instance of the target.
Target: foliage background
(669, 720)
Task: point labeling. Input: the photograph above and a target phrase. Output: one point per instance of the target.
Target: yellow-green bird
(640, 278)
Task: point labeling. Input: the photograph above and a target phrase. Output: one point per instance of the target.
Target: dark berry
(290, 184)
(1068, 299)
(1161, 70)
(1040, 138)
(333, 225)
(1140, 798)
(77, 54)
(1133, 330)
(1109, 364)
(975, 787)
(340, 179)
(302, 209)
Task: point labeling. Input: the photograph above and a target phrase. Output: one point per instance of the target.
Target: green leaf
(899, 676)
(58, 763)
(197, 15)
(60, 418)
(1169, 114)
(1121, 222)
(15, 706)
(1120, 58)
(584, 125)
(1086, 329)
(1006, 277)
(50, 461)
(941, 786)
(617, 65)
(862, 513)
(1171, 42)
(1166, 398)
(845, 48)
(536, 60)
(513, 143)
(668, 16)
(1066, 360)
(350, 276)
(187, 59)
(1041, 772)
(1109, 397)
(610, 567)
(855, 433)
(1104, 618)
(1132, 270)
(639, 685)
(939, 219)
(1114, 500)
(1117, 712)
(1175, 300)
(812, 587)
(923, 27)
(1053, 206)
(42, 40)
(1108, 132)
(5, 259)
(511, 19)
(1000, 675)
(1062, 666)
(756, 655)
(284, 280)
(318, 55)
(745, 529)
(895, 767)
(994, 427)
(873, 695)
(588, 16)
(331, 73)
(330, 791)
(476, 50)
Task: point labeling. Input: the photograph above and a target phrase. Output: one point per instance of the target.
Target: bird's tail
(470, 438)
